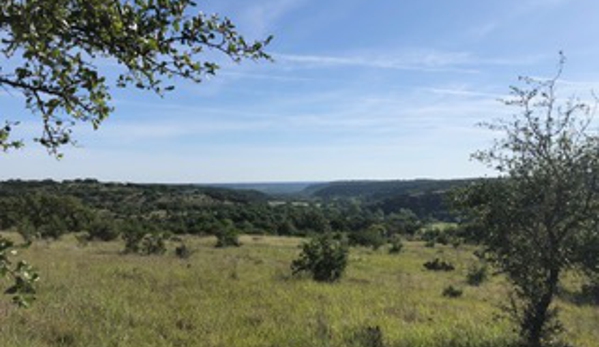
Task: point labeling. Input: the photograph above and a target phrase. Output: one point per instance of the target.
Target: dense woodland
(49, 209)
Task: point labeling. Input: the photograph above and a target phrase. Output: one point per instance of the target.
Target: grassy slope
(93, 296)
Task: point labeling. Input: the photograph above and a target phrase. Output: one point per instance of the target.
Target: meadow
(92, 295)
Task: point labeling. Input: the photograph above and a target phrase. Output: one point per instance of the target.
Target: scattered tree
(540, 215)
(227, 235)
(324, 257)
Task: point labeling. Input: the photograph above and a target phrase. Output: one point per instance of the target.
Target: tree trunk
(538, 316)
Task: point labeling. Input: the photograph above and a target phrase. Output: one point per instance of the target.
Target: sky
(359, 89)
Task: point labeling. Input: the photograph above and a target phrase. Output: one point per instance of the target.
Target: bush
(452, 292)
(27, 230)
(227, 236)
(182, 251)
(367, 337)
(144, 240)
(154, 243)
(476, 275)
(430, 234)
(53, 228)
(102, 227)
(373, 237)
(324, 257)
(590, 291)
(396, 244)
(439, 265)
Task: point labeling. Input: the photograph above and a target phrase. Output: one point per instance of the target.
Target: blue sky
(360, 89)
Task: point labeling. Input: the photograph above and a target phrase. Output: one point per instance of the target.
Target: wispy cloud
(418, 60)
(425, 62)
(270, 77)
(261, 16)
(463, 92)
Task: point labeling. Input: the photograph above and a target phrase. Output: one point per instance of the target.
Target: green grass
(94, 296)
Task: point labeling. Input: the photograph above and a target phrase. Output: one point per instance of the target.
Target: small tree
(539, 216)
(324, 257)
(227, 235)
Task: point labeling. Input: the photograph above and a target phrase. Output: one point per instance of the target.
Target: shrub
(439, 265)
(102, 227)
(143, 239)
(227, 235)
(590, 291)
(452, 292)
(430, 234)
(324, 257)
(429, 244)
(182, 251)
(476, 275)
(396, 244)
(367, 337)
(373, 237)
(27, 230)
(53, 228)
(153, 243)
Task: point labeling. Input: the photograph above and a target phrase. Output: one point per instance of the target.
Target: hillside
(270, 188)
(426, 198)
(127, 196)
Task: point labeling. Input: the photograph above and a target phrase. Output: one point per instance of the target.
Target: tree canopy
(52, 50)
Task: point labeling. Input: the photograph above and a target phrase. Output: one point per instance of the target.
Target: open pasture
(245, 297)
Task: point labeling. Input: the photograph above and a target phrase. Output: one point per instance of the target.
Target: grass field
(94, 296)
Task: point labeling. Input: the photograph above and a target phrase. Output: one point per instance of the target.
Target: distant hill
(271, 188)
(380, 189)
(425, 197)
(130, 196)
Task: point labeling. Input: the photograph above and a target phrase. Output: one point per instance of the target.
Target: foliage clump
(477, 274)
(439, 265)
(183, 251)
(452, 292)
(227, 235)
(144, 239)
(369, 336)
(150, 41)
(324, 257)
(396, 244)
(590, 291)
(103, 227)
(23, 275)
(373, 236)
(44, 215)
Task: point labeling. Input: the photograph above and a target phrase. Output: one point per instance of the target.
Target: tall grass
(95, 296)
